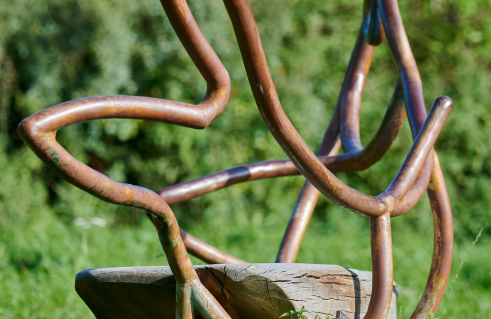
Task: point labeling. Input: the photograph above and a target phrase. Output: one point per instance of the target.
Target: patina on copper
(420, 171)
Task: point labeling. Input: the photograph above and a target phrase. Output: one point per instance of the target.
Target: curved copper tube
(443, 244)
(39, 133)
(416, 192)
(350, 105)
(291, 142)
(413, 93)
(406, 65)
(351, 93)
(419, 152)
(373, 30)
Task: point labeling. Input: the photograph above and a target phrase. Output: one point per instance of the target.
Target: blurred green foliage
(54, 51)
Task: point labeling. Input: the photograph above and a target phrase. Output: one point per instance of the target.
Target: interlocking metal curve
(421, 170)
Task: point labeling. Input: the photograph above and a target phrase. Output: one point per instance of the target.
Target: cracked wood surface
(254, 291)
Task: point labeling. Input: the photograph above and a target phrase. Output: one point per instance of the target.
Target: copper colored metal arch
(421, 170)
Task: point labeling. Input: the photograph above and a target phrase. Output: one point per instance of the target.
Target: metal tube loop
(39, 132)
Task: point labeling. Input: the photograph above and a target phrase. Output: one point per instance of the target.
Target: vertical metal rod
(382, 267)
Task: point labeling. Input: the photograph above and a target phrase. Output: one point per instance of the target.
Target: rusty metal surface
(420, 171)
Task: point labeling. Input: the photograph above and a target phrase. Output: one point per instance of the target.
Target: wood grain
(247, 291)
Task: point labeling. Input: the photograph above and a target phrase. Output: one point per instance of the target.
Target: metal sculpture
(421, 170)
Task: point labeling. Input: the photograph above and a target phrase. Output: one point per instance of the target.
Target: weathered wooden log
(254, 291)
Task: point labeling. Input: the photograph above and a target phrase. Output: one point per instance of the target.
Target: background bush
(54, 51)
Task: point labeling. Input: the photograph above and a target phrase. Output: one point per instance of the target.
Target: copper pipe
(423, 145)
(382, 267)
(408, 70)
(443, 244)
(352, 92)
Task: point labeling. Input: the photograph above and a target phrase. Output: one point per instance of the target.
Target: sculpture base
(247, 291)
